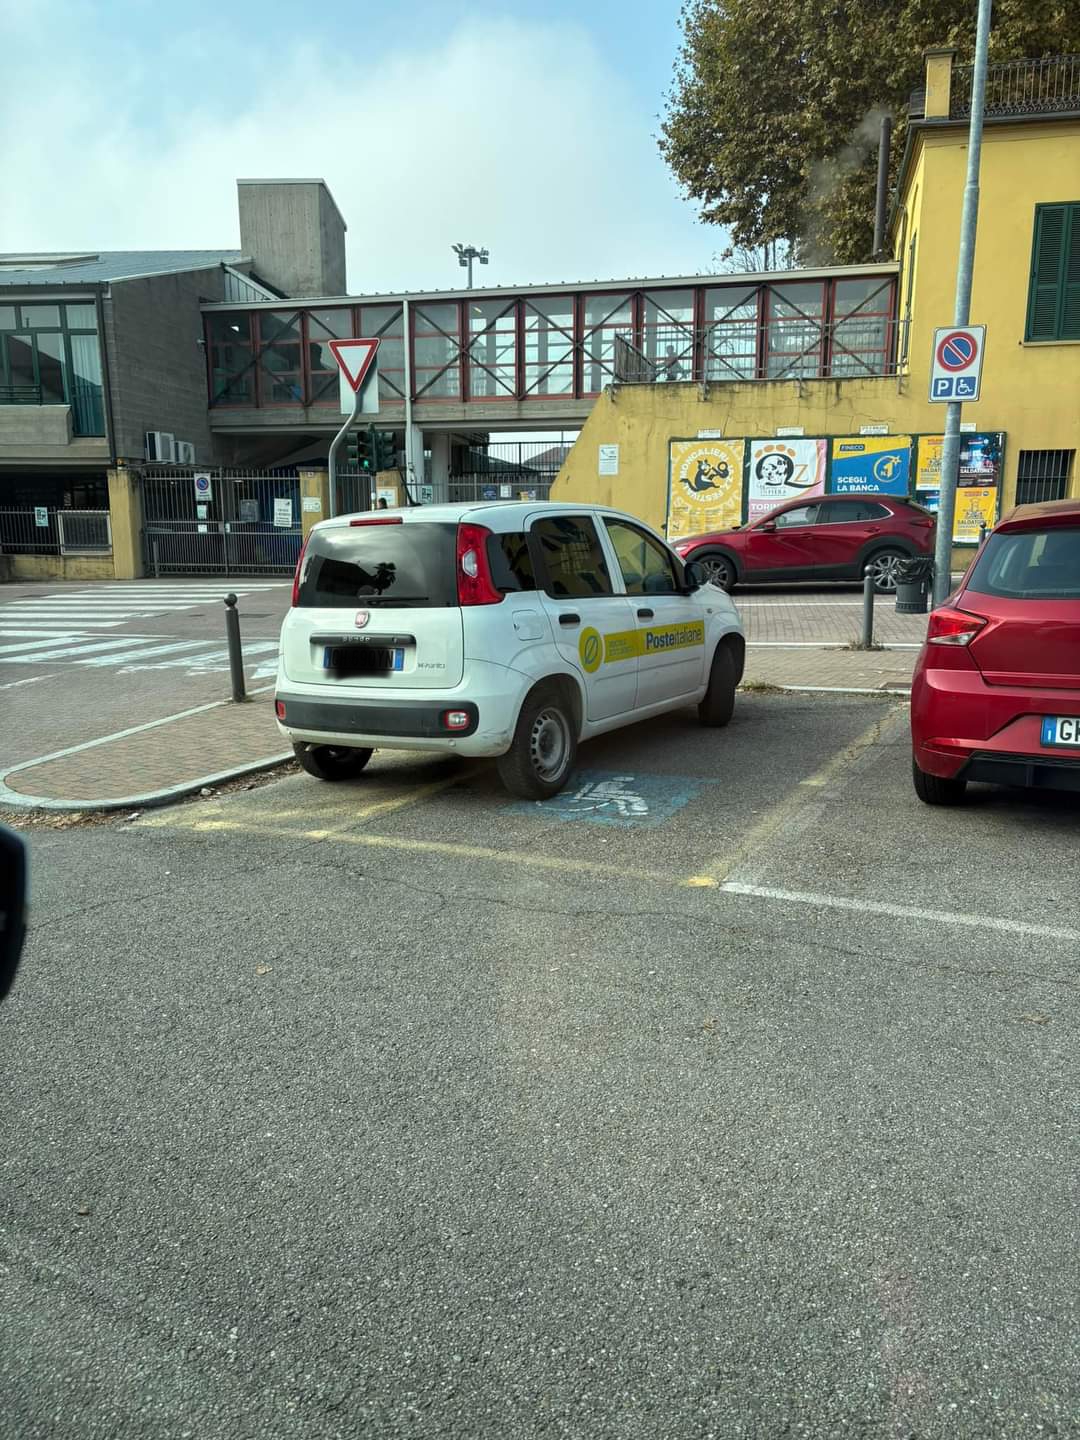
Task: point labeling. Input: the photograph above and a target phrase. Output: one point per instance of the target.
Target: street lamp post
(466, 254)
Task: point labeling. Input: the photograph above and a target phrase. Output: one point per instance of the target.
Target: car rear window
(1029, 565)
(411, 566)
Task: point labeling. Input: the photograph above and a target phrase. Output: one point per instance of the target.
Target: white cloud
(517, 136)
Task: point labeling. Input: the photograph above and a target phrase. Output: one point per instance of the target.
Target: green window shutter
(1047, 266)
(1070, 300)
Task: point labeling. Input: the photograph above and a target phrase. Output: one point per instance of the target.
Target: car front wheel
(718, 569)
(718, 703)
(881, 566)
(541, 756)
(332, 762)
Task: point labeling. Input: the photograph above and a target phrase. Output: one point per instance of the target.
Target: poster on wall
(866, 465)
(980, 459)
(705, 484)
(977, 483)
(783, 470)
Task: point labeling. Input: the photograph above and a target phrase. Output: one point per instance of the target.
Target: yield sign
(355, 358)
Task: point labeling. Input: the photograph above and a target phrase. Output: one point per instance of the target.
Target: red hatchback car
(835, 537)
(996, 691)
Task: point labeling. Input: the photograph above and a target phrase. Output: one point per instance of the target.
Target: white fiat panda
(511, 629)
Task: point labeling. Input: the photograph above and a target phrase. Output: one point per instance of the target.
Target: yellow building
(822, 369)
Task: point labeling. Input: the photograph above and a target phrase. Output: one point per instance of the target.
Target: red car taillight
(474, 582)
(299, 567)
(953, 627)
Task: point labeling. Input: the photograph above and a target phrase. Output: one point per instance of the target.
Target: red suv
(996, 691)
(836, 537)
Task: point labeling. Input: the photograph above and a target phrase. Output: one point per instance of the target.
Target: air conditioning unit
(185, 452)
(159, 446)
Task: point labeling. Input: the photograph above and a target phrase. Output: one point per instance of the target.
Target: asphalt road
(735, 1097)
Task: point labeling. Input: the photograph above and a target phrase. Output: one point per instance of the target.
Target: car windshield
(1030, 565)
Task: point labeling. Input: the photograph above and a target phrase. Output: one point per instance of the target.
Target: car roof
(1046, 512)
(498, 515)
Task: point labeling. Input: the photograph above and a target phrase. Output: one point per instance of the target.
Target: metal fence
(220, 521)
(789, 347)
(1020, 87)
(39, 530)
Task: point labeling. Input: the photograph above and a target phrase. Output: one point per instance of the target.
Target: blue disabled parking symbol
(602, 797)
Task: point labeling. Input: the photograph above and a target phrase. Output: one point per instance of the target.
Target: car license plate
(363, 659)
(1061, 730)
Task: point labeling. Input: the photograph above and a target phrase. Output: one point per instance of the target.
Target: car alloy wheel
(718, 571)
(882, 570)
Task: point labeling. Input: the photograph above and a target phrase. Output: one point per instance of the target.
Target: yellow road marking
(438, 847)
(724, 865)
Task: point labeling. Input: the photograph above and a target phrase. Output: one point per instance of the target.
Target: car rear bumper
(398, 722)
(1034, 772)
(963, 728)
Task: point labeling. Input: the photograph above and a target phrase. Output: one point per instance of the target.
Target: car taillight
(299, 567)
(456, 719)
(474, 582)
(279, 709)
(953, 627)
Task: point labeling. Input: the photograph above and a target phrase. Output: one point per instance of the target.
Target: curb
(15, 800)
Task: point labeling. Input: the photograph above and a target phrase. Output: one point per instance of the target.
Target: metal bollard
(982, 533)
(867, 642)
(236, 658)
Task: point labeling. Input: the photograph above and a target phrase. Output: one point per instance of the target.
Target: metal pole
(867, 642)
(881, 198)
(335, 445)
(468, 257)
(236, 657)
(969, 219)
(410, 455)
(982, 533)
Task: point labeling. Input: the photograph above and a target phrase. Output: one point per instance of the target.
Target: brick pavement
(172, 755)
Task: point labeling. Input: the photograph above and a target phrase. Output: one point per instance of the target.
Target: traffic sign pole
(965, 267)
(335, 446)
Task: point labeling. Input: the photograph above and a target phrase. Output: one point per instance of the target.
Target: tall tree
(772, 119)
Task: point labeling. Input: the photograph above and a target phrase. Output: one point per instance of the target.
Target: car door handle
(645, 614)
(567, 617)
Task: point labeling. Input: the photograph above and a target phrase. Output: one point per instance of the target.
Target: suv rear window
(410, 566)
(1029, 565)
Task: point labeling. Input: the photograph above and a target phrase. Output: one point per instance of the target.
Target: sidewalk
(805, 667)
(155, 763)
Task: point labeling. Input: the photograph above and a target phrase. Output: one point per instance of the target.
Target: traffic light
(384, 451)
(359, 448)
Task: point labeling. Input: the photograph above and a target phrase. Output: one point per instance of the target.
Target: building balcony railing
(20, 395)
(1021, 87)
(787, 348)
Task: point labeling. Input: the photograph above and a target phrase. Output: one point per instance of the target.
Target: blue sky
(526, 127)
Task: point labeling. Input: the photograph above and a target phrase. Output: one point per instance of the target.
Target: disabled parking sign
(956, 364)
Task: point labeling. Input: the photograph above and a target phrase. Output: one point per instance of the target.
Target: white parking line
(901, 912)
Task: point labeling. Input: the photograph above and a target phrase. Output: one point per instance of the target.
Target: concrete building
(100, 351)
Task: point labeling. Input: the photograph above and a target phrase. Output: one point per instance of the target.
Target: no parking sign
(204, 488)
(956, 365)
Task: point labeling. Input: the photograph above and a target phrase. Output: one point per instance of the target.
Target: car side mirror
(12, 905)
(768, 525)
(695, 575)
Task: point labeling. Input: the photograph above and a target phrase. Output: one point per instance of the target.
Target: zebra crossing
(70, 627)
